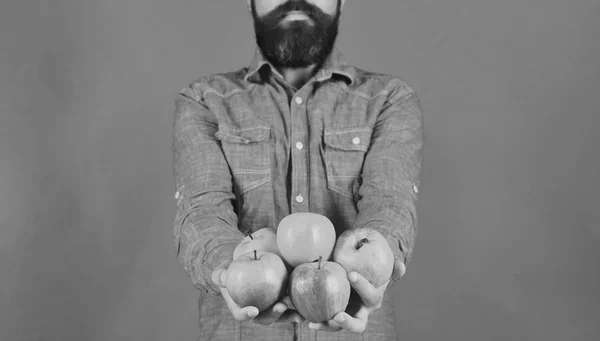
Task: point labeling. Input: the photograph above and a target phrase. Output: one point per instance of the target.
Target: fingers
(342, 320)
(271, 315)
(370, 296)
(356, 324)
(223, 278)
(279, 312)
(218, 277)
(240, 314)
(283, 311)
(399, 268)
(328, 326)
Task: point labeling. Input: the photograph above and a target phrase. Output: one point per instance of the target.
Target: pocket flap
(349, 138)
(245, 136)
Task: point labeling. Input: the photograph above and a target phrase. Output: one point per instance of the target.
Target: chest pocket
(345, 150)
(248, 154)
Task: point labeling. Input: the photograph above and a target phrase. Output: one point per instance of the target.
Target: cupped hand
(282, 311)
(369, 299)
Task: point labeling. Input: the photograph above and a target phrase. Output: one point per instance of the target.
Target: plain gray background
(509, 239)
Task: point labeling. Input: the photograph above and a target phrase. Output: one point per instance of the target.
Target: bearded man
(298, 130)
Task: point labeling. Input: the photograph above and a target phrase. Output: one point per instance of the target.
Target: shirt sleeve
(205, 227)
(391, 173)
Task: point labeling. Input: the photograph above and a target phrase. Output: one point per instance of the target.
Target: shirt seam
(227, 94)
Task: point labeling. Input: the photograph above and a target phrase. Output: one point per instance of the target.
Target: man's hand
(283, 311)
(369, 299)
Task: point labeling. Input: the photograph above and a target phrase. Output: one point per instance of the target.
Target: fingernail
(252, 313)
(353, 277)
(339, 318)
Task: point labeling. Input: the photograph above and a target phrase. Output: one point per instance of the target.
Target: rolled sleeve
(205, 227)
(391, 173)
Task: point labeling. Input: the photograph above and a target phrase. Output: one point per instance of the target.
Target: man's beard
(300, 43)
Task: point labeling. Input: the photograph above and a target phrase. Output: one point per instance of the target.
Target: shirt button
(298, 100)
(415, 188)
(299, 198)
(356, 140)
(177, 195)
(299, 145)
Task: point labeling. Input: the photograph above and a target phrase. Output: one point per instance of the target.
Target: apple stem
(255, 255)
(320, 259)
(361, 243)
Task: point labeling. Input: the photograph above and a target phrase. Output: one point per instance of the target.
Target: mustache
(273, 18)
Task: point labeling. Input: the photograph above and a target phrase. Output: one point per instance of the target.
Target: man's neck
(298, 77)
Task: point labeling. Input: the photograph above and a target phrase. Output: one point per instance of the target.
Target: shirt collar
(334, 64)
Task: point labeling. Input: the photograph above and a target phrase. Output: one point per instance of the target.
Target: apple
(264, 239)
(257, 279)
(367, 252)
(303, 237)
(319, 290)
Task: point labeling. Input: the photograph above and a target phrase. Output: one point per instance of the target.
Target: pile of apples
(305, 245)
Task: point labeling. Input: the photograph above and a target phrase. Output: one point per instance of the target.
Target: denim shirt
(249, 149)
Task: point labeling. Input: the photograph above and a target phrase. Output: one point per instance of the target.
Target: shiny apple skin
(374, 260)
(319, 294)
(264, 239)
(256, 282)
(302, 237)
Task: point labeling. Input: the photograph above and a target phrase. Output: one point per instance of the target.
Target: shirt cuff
(220, 256)
(399, 255)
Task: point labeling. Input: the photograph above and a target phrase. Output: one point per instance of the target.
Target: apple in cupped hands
(264, 239)
(257, 279)
(319, 290)
(303, 237)
(367, 252)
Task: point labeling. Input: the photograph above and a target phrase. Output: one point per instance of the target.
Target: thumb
(218, 276)
(399, 267)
